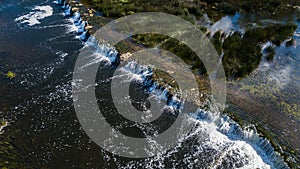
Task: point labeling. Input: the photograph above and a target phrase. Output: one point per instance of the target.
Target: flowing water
(274, 84)
(40, 42)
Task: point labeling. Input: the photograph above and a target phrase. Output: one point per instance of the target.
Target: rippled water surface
(40, 44)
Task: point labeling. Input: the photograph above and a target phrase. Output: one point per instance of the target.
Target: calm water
(45, 131)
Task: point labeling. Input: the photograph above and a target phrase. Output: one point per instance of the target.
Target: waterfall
(76, 17)
(83, 34)
(78, 22)
(144, 74)
(81, 27)
(67, 10)
(223, 123)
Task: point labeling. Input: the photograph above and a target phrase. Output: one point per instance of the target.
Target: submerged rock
(10, 75)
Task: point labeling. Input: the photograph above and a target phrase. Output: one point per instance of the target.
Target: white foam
(33, 18)
(224, 136)
(226, 24)
(205, 138)
(241, 148)
(264, 46)
(71, 27)
(281, 77)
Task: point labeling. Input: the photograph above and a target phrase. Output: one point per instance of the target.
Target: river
(40, 44)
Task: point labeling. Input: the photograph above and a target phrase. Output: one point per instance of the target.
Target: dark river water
(40, 45)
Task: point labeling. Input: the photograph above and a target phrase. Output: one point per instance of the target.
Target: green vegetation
(263, 7)
(149, 40)
(278, 33)
(238, 55)
(214, 8)
(184, 52)
(270, 53)
(290, 42)
(242, 54)
(217, 41)
(118, 8)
